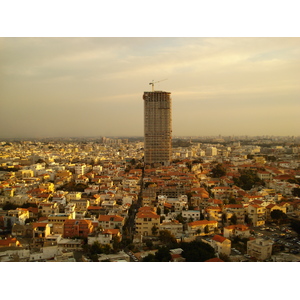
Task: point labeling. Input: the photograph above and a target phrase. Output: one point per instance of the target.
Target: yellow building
(202, 227)
(259, 160)
(145, 220)
(25, 173)
(221, 244)
(256, 214)
(49, 186)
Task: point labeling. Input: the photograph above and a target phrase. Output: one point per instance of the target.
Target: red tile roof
(215, 259)
(202, 222)
(110, 218)
(219, 238)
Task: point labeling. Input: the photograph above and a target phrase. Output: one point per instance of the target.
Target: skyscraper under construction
(157, 127)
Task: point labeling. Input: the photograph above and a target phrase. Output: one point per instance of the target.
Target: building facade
(260, 249)
(157, 127)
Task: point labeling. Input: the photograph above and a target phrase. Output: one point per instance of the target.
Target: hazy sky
(53, 87)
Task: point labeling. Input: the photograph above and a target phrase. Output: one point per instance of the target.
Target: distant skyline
(60, 87)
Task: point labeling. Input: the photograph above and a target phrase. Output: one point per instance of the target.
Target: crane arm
(152, 83)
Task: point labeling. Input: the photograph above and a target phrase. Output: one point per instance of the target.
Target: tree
(166, 237)
(296, 192)
(196, 251)
(116, 243)
(166, 210)
(278, 215)
(201, 215)
(218, 171)
(9, 224)
(149, 244)
(162, 218)
(9, 206)
(161, 255)
(295, 224)
(233, 219)
(231, 200)
(247, 180)
(150, 258)
(206, 229)
(154, 230)
(224, 218)
(247, 219)
(180, 218)
(158, 210)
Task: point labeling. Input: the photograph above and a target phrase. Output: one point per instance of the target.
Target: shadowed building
(157, 127)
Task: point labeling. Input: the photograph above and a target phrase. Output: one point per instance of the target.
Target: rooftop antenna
(152, 83)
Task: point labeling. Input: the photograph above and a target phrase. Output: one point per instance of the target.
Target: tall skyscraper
(157, 127)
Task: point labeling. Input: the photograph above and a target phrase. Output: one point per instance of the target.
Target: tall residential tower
(157, 127)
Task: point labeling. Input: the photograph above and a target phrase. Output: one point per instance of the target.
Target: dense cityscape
(223, 198)
(87, 175)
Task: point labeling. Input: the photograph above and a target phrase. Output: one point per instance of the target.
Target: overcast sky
(54, 87)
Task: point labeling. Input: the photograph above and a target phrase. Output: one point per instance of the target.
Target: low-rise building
(57, 221)
(146, 219)
(19, 215)
(260, 249)
(202, 227)
(105, 237)
(239, 230)
(221, 244)
(111, 221)
(40, 232)
(191, 215)
(257, 214)
(46, 209)
(174, 227)
(77, 228)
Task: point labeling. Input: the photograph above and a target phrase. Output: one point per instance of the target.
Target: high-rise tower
(157, 127)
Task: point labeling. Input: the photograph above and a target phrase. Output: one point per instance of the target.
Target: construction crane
(152, 83)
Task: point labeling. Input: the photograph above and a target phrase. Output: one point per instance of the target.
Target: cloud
(93, 78)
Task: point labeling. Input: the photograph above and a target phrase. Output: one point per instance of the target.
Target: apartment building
(57, 221)
(145, 220)
(221, 244)
(260, 249)
(202, 227)
(239, 230)
(235, 209)
(111, 222)
(257, 214)
(46, 209)
(77, 228)
(174, 227)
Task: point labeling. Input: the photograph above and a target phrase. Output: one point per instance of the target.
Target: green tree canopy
(233, 219)
(247, 180)
(295, 224)
(161, 255)
(278, 215)
(218, 171)
(197, 251)
(166, 237)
